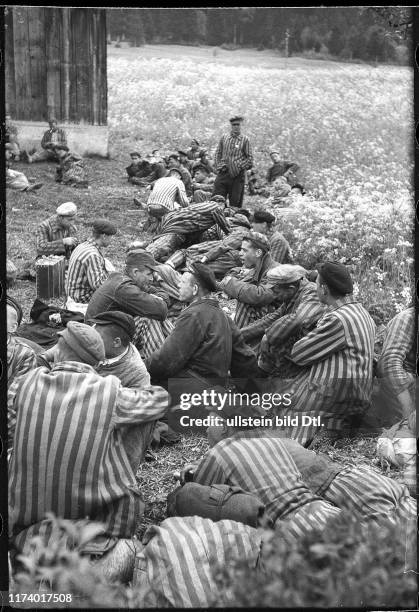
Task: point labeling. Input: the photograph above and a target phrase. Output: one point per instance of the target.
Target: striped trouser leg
(177, 259)
(370, 495)
(311, 517)
(150, 335)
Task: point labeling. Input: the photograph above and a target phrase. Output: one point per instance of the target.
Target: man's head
(140, 267)
(297, 189)
(285, 280)
(219, 199)
(66, 214)
(183, 156)
(175, 173)
(103, 230)
(333, 282)
(236, 124)
(116, 330)
(197, 281)
(274, 155)
(53, 124)
(262, 221)
(200, 174)
(135, 157)
(173, 160)
(194, 144)
(60, 150)
(80, 342)
(14, 315)
(254, 247)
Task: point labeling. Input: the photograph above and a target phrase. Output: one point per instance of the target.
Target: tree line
(380, 34)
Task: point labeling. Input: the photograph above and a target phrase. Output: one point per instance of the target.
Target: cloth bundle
(215, 502)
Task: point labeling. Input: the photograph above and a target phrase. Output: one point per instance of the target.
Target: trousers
(233, 187)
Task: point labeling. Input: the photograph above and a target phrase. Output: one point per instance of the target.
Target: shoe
(35, 187)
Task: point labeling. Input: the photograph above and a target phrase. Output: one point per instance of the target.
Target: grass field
(350, 127)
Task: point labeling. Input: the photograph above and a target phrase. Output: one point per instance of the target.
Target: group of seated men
(299, 348)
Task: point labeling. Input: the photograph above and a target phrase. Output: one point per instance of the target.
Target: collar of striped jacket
(73, 366)
(348, 299)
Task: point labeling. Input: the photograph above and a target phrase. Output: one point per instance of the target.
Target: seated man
(254, 300)
(51, 137)
(70, 170)
(168, 194)
(87, 268)
(173, 161)
(90, 476)
(205, 345)
(299, 309)
(281, 167)
(57, 235)
(184, 161)
(185, 226)
(263, 222)
(157, 168)
(17, 180)
(194, 151)
(280, 192)
(132, 292)
(11, 139)
(138, 169)
(396, 369)
(202, 185)
(336, 383)
(360, 490)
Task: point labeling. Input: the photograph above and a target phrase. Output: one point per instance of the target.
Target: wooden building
(56, 67)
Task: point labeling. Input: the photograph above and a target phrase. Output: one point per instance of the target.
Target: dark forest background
(379, 34)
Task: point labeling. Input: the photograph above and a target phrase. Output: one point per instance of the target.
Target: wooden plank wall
(56, 64)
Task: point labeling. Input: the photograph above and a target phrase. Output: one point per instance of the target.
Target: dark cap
(135, 153)
(103, 226)
(204, 275)
(240, 220)
(199, 166)
(336, 276)
(258, 240)
(195, 141)
(182, 153)
(263, 216)
(60, 147)
(11, 302)
(174, 156)
(236, 118)
(141, 258)
(118, 318)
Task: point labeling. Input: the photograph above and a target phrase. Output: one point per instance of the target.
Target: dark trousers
(226, 185)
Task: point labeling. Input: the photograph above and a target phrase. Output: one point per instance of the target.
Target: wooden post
(66, 62)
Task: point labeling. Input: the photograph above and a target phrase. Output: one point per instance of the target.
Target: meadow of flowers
(350, 127)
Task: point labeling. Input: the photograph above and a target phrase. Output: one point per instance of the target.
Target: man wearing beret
(68, 456)
(298, 310)
(87, 268)
(134, 293)
(232, 158)
(185, 162)
(337, 356)
(247, 284)
(53, 136)
(280, 167)
(57, 234)
(263, 222)
(202, 185)
(205, 344)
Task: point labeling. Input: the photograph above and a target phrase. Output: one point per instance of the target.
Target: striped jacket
(235, 152)
(167, 191)
(280, 249)
(57, 136)
(397, 361)
(86, 271)
(68, 457)
(195, 218)
(260, 464)
(49, 237)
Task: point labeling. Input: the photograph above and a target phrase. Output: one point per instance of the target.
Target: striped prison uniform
(168, 191)
(20, 360)
(86, 271)
(177, 565)
(163, 246)
(68, 457)
(280, 248)
(262, 465)
(196, 218)
(336, 383)
(235, 152)
(396, 368)
(49, 237)
(150, 334)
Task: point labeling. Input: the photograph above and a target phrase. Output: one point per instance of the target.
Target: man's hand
(70, 241)
(186, 472)
(204, 259)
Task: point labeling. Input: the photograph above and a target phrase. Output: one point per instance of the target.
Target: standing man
(232, 158)
(87, 268)
(57, 235)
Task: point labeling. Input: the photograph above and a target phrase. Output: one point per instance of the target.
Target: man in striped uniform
(232, 158)
(53, 136)
(299, 309)
(336, 383)
(186, 226)
(87, 268)
(247, 284)
(68, 457)
(396, 369)
(57, 235)
(168, 193)
(263, 222)
(174, 163)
